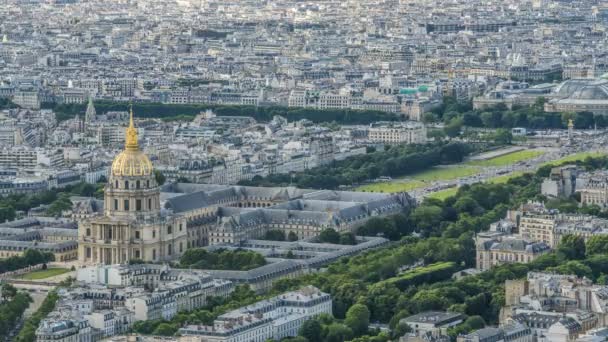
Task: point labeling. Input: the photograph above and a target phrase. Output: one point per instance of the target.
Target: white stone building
(275, 318)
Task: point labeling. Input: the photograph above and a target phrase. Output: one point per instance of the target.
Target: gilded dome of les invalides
(132, 161)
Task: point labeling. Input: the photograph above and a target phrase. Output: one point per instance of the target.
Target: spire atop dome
(132, 161)
(131, 134)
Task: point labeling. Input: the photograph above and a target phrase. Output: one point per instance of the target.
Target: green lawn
(505, 178)
(507, 159)
(390, 187)
(574, 157)
(443, 194)
(418, 180)
(470, 168)
(43, 274)
(444, 173)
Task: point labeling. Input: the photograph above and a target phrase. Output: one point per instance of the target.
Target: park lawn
(507, 159)
(443, 194)
(418, 180)
(43, 274)
(391, 187)
(444, 173)
(505, 178)
(574, 158)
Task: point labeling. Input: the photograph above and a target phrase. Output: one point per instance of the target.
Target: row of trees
(30, 257)
(221, 259)
(6, 104)
(455, 115)
(57, 199)
(452, 113)
(325, 328)
(58, 206)
(28, 332)
(12, 308)
(264, 114)
(393, 162)
(279, 235)
(330, 235)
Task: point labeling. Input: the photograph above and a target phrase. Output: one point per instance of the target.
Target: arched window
(147, 183)
(126, 184)
(137, 184)
(116, 185)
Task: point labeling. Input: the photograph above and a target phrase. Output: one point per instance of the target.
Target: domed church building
(133, 225)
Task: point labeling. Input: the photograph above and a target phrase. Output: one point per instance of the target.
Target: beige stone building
(594, 189)
(132, 226)
(411, 132)
(539, 226)
(494, 249)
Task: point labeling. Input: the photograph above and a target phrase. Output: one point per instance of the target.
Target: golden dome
(132, 161)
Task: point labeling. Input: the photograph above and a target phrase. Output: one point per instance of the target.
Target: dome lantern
(132, 161)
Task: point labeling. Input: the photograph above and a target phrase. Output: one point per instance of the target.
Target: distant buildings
(27, 98)
(580, 96)
(593, 188)
(398, 133)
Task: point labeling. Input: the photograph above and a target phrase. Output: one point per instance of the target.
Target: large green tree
(329, 235)
(597, 244)
(571, 247)
(311, 330)
(337, 332)
(357, 319)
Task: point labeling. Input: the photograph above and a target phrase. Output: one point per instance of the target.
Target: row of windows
(127, 205)
(137, 253)
(138, 184)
